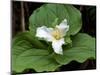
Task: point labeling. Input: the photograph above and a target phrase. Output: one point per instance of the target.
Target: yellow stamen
(56, 34)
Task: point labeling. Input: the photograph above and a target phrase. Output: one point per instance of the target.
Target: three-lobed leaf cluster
(29, 52)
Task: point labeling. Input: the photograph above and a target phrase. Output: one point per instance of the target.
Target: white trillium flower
(54, 35)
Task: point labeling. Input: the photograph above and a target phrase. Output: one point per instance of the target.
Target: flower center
(56, 34)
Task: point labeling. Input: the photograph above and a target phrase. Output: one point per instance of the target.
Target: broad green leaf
(75, 20)
(84, 40)
(39, 60)
(27, 36)
(79, 54)
(26, 55)
(48, 13)
(83, 48)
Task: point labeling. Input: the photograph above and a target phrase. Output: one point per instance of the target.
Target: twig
(22, 17)
(81, 8)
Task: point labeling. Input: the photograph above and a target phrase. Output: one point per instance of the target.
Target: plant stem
(22, 17)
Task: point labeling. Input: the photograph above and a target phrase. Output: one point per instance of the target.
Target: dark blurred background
(88, 23)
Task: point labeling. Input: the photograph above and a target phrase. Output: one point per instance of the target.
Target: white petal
(63, 26)
(44, 32)
(57, 46)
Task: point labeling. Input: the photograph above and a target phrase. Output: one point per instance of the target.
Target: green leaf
(26, 55)
(27, 36)
(48, 13)
(75, 19)
(83, 48)
(84, 40)
(79, 54)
